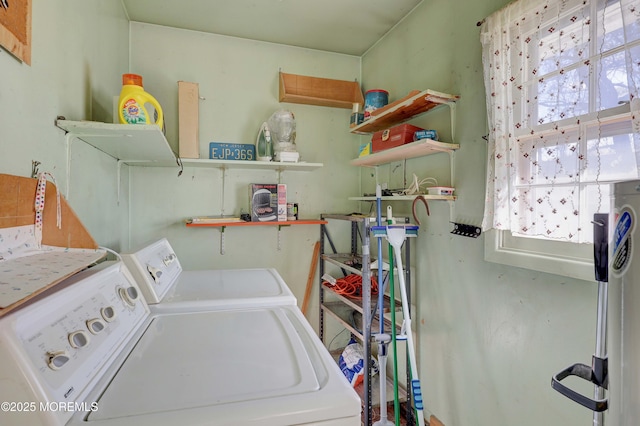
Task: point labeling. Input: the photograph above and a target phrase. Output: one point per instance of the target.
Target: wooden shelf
(300, 89)
(404, 109)
(279, 225)
(258, 165)
(407, 198)
(225, 224)
(129, 143)
(354, 217)
(415, 149)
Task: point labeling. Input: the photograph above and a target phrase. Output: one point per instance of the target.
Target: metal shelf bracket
(222, 249)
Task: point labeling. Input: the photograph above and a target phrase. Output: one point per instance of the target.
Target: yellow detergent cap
(129, 79)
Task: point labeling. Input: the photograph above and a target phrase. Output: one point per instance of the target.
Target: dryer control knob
(155, 273)
(129, 295)
(79, 339)
(95, 325)
(108, 313)
(56, 360)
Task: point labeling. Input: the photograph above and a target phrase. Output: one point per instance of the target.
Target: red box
(393, 137)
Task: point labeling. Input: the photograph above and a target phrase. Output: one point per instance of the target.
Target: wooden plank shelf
(407, 198)
(403, 109)
(223, 225)
(300, 89)
(244, 164)
(284, 223)
(419, 148)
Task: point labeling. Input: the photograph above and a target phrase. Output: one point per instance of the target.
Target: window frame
(547, 255)
(569, 259)
(539, 255)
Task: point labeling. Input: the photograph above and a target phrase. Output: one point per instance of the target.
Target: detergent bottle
(137, 106)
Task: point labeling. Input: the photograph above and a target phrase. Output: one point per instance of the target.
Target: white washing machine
(93, 354)
(159, 274)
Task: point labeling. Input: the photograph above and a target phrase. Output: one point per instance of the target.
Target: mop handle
(380, 261)
(415, 383)
(394, 336)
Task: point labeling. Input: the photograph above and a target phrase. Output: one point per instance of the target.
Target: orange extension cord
(351, 286)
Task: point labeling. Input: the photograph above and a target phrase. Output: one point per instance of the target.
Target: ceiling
(343, 26)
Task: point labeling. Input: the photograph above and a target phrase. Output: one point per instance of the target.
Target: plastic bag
(351, 363)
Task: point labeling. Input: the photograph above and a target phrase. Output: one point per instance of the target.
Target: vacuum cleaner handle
(601, 247)
(584, 372)
(598, 373)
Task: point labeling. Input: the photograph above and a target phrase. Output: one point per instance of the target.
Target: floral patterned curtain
(562, 80)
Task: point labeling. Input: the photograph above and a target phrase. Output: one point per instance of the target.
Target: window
(562, 81)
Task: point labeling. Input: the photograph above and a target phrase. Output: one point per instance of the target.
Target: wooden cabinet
(301, 89)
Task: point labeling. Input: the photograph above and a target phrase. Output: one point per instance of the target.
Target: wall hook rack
(34, 168)
(466, 230)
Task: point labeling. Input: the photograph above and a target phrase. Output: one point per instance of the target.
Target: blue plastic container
(425, 134)
(374, 99)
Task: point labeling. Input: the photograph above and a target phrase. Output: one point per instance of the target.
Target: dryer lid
(235, 365)
(231, 288)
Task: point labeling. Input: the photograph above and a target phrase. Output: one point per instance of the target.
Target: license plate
(231, 151)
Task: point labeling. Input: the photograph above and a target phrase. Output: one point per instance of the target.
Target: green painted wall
(490, 336)
(239, 80)
(79, 50)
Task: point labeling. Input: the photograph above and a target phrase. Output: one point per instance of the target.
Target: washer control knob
(108, 313)
(155, 273)
(129, 295)
(168, 259)
(56, 360)
(79, 339)
(95, 325)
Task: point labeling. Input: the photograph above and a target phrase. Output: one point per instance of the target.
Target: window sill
(542, 256)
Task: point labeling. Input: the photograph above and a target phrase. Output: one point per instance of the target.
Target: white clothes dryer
(159, 274)
(93, 354)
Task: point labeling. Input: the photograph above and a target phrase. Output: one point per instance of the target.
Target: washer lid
(221, 359)
(229, 288)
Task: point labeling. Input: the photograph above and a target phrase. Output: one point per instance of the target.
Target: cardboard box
(282, 202)
(263, 202)
(440, 190)
(231, 151)
(395, 136)
(188, 142)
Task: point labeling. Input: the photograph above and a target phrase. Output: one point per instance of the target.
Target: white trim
(534, 257)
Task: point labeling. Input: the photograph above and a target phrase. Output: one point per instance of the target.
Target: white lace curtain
(562, 80)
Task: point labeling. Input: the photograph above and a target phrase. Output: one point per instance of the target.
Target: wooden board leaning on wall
(17, 200)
